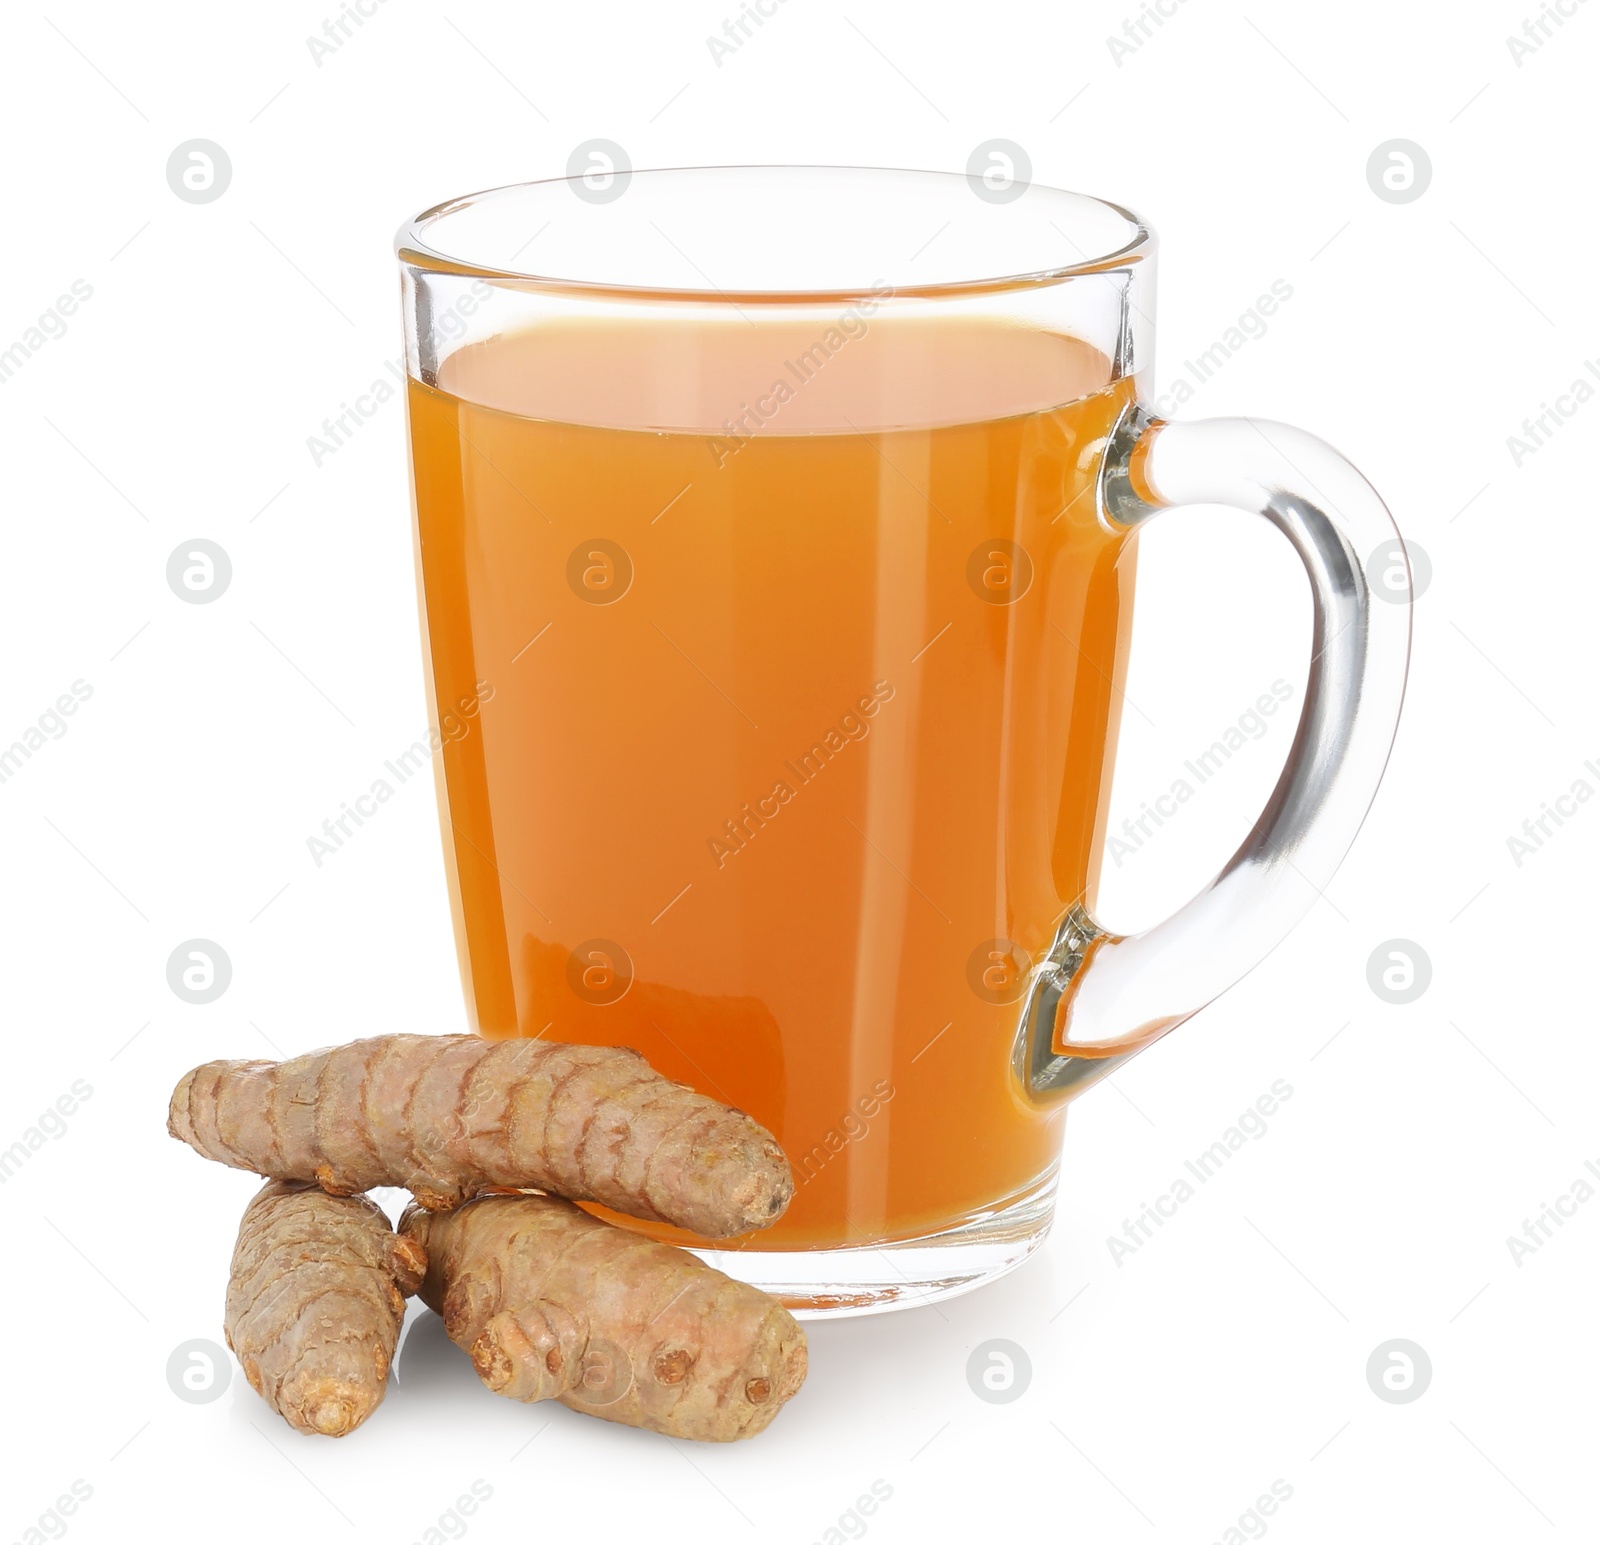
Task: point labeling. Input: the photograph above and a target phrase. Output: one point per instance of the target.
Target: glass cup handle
(1099, 998)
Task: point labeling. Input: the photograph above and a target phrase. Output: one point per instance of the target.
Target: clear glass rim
(411, 247)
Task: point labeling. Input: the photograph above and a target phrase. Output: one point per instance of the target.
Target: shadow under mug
(775, 540)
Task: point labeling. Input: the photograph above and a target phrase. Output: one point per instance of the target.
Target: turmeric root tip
(315, 1301)
(448, 1116)
(552, 1303)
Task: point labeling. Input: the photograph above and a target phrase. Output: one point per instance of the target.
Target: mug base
(899, 1273)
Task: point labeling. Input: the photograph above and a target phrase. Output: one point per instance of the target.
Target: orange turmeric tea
(790, 656)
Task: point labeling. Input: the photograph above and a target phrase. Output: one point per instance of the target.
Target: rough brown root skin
(449, 1116)
(315, 1301)
(552, 1303)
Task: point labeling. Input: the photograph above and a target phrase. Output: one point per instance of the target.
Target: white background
(1168, 1391)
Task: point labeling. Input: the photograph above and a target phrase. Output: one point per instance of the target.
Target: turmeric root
(553, 1303)
(315, 1301)
(448, 1116)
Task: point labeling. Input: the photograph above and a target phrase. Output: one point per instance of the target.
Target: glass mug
(775, 541)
